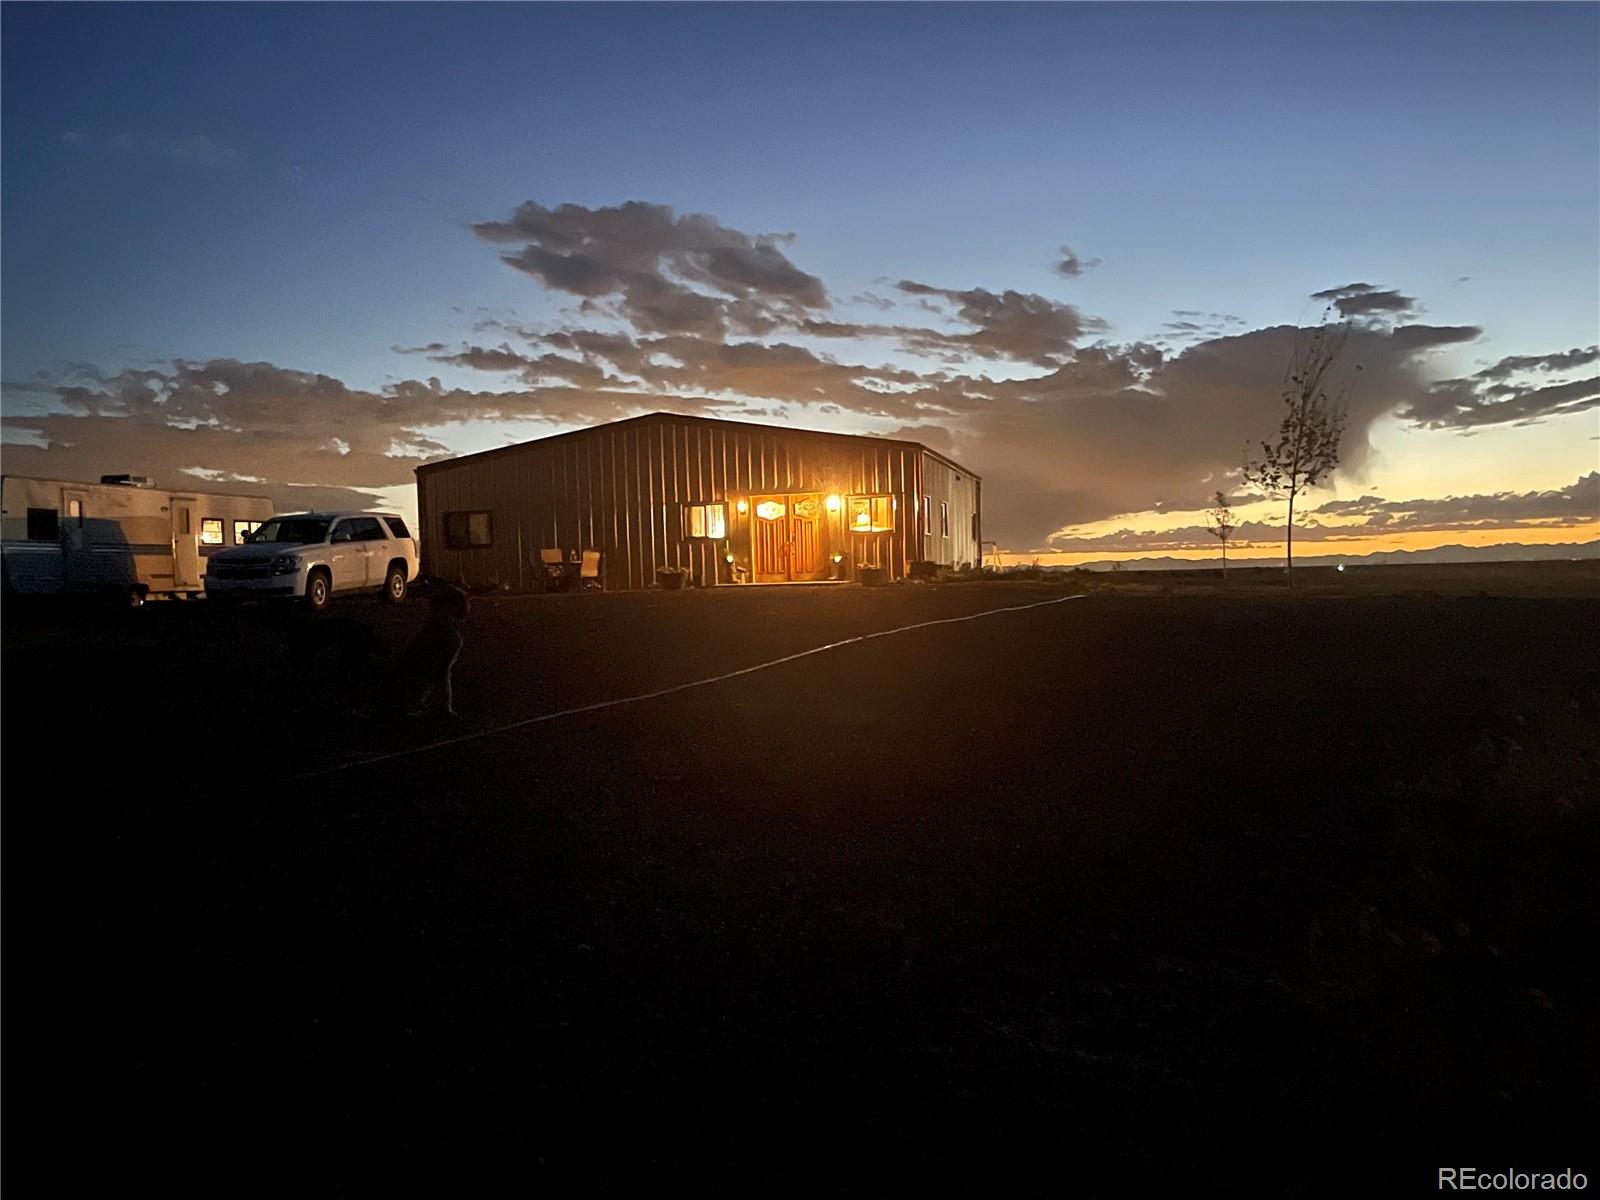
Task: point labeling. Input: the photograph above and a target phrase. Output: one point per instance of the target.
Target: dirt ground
(1208, 889)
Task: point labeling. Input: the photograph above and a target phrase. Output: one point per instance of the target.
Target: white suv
(315, 555)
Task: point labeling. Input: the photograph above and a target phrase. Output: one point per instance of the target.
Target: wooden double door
(788, 537)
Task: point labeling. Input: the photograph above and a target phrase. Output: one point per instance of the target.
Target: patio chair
(554, 565)
(589, 571)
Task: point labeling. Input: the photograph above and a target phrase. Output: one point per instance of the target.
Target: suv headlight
(285, 564)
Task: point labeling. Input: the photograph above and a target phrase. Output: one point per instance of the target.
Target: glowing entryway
(787, 538)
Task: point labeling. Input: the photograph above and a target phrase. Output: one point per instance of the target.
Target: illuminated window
(705, 521)
(211, 531)
(770, 510)
(242, 531)
(75, 512)
(869, 514)
(467, 530)
(944, 519)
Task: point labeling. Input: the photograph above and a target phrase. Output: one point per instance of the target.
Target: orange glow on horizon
(1527, 535)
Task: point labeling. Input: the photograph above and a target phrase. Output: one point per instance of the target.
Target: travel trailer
(122, 536)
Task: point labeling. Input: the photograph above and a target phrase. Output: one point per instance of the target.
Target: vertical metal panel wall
(957, 489)
(621, 489)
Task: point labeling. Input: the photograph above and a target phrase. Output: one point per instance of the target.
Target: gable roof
(669, 416)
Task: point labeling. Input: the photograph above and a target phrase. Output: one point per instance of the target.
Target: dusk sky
(314, 246)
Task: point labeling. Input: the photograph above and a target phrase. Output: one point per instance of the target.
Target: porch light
(840, 558)
(833, 504)
(727, 558)
(743, 506)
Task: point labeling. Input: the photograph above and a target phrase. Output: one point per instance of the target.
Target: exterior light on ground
(728, 557)
(838, 558)
(1341, 566)
(742, 506)
(833, 503)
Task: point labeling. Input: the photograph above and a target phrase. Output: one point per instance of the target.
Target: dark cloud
(1367, 300)
(295, 430)
(1011, 325)
(1195, 325)
(1129, 429)
(1493, 396)
(1564, 360)
(1432, 337)
(653, 263)
(1576, 504)
(1070, 266)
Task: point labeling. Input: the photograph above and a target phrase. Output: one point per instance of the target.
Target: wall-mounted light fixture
(833, 503)
(743, 506)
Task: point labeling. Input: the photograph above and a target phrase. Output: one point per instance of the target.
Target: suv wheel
(319, 591)
(394, 583)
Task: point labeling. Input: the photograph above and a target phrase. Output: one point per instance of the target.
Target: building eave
(645, 418)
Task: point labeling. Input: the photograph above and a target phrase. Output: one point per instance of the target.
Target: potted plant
(672, 578)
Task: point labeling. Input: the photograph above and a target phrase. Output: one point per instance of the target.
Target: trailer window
(705, 521)
(870, 514)
(467, 530)
(242, 531)
(211, 531)
(75, 512)
(44, 525)
(944, 519)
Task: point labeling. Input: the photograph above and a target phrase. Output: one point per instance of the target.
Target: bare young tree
(1307, 449)
(1221, 521)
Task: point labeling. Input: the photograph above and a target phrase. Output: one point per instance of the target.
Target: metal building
(724, 501)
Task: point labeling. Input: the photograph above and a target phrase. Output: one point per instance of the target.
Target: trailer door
(79, 566)
(185, 544)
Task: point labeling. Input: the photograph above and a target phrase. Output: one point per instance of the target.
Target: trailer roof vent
(141, 481)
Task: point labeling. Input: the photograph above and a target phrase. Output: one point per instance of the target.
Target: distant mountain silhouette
(1506, 552)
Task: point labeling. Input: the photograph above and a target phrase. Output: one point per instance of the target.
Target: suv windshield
(300, 531)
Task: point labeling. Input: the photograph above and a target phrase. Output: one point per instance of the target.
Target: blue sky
(295, 184)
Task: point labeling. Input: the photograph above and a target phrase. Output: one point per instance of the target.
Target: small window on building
(974, 526)
(75, 512)
(183, 521)
(706, 521)
(397, 527)
(944, 519)
(869, 514)
(927, 514)
(211, 531)
(467, 530)
(44, 525)
(242, 531)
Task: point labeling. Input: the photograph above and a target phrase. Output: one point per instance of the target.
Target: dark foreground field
(1241, 892)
